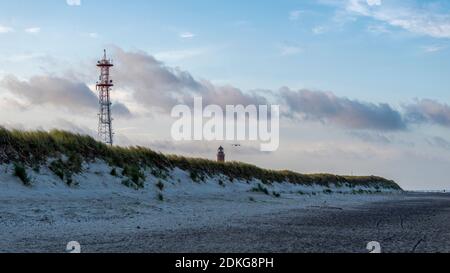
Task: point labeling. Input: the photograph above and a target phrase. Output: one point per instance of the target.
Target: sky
(363, 85)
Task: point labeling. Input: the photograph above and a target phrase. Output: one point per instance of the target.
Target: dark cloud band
(343, 112)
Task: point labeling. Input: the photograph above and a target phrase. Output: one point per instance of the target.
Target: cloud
(154, 84)
(73, 2)
(342, 112)
(378, 29)
(294, 15)
(33, 30)
(48, 90)
(5, 29)
(25, 57)
(59, 92)
(121, 110)
(434, 48)
(63, 124)
(187, 35)
(371, 137)
(319, 30)
(439, 142)
(374, 2)
(290, 49)
(417, 20)
(179, 55)
(428, 111)
(151, 82)
(241, 23)
(11, 104)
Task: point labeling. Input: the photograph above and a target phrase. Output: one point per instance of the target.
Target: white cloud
(33, 30)
(378, 29)
(24, 57)
(374, 2)
(73, 2)
(358, 6)
(417, 20)
(187, 35)
(160, 86)
(5, 29)
(290, 49)
(179, 55)
(294, 15)
(93, 35)
(434, 48)
(319, 30)
(241, 23)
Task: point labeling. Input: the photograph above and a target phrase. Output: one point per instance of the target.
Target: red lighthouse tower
(104, 85)
(221, 155)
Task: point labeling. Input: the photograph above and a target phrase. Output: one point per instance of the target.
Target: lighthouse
(221, 155)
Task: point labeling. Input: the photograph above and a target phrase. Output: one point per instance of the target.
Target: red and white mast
(104, 85)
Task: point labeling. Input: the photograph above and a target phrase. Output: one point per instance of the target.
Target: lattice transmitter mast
(104, 85)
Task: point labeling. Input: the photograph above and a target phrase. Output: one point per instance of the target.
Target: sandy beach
(248, 222)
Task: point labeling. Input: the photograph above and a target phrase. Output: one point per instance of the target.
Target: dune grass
(35, 148)
(21, 173)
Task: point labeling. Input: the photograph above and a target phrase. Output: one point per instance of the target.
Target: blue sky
(264, 45)
(363, 52)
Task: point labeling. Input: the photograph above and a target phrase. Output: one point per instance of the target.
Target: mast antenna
(104, 85)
